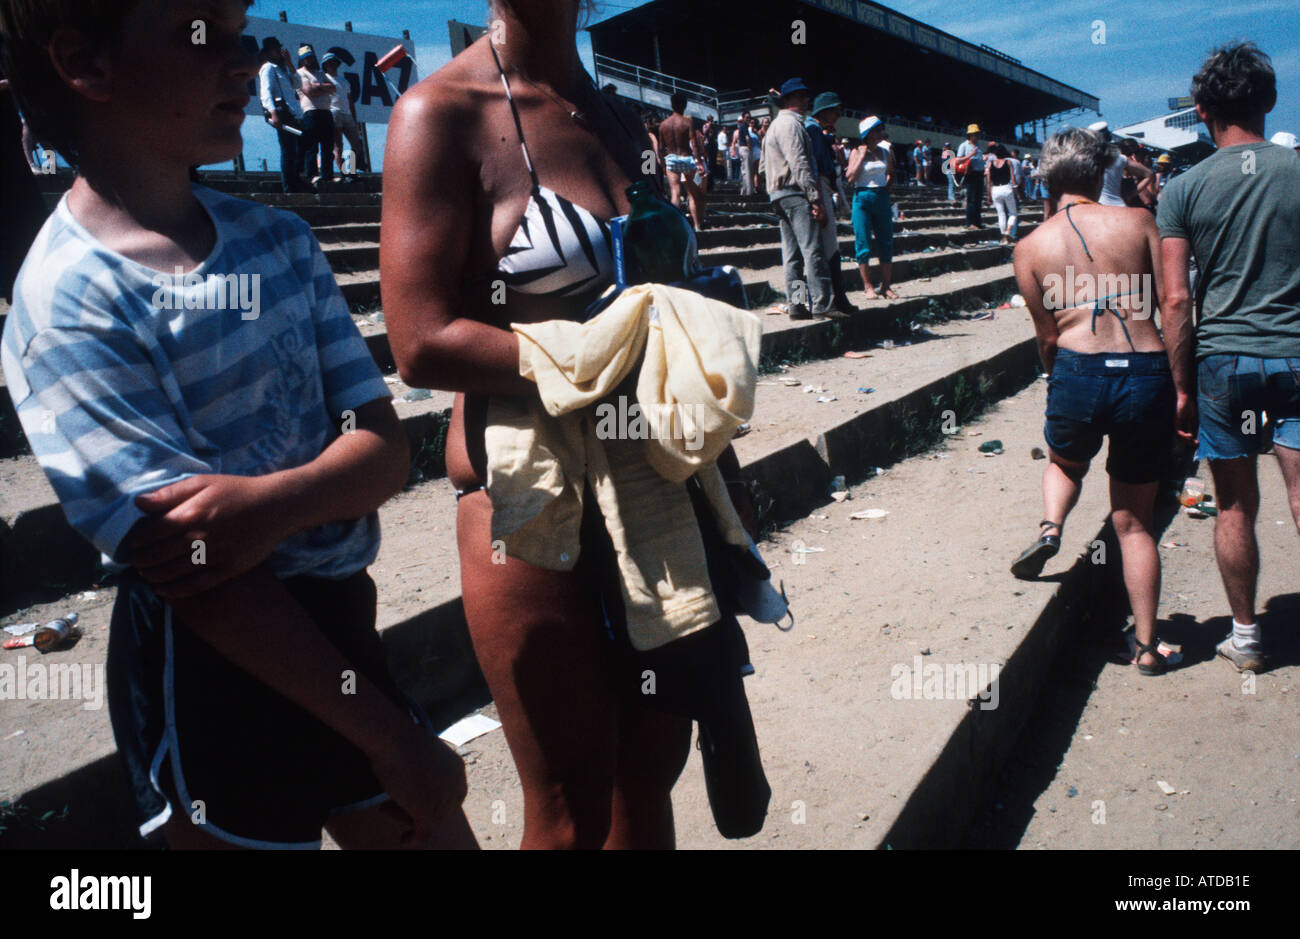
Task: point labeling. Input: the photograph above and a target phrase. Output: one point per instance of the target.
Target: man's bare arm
(1176, 311)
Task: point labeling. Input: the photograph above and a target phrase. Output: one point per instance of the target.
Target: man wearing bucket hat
(314, 93)
(820, 125)
(796, 195)
(971, 162)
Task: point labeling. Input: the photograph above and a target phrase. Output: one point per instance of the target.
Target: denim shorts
(1234, 392)
(1128, 396)
(676, 163)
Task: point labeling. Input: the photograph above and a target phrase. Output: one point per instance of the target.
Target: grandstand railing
(654, 88)
(736, 103)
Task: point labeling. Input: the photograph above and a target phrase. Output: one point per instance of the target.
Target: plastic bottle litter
(839, 484)
(418, 394)
(991, 447)
(1193, 492)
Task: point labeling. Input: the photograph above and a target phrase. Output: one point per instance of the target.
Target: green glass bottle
(653, 243)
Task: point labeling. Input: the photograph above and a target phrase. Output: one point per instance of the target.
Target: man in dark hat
(826, 111)
(796, 194)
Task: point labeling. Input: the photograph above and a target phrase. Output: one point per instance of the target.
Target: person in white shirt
(278, 88)
(1112, 190)
(974, 179)
(343, 113)
(314, 93)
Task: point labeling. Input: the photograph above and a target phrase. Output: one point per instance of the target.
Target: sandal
(1161, 664)
(1030, 563)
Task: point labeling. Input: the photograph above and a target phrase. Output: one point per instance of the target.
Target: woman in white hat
(871, 170)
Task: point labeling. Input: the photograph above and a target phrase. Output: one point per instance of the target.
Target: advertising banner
(373, 92)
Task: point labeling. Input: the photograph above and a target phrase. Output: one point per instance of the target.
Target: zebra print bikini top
(560, 249)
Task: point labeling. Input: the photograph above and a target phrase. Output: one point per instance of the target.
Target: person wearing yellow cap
(974, 180)
(1164, 163)
(314, 93)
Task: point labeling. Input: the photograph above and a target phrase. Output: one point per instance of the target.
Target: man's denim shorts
(1126, 395)
(1234, 392)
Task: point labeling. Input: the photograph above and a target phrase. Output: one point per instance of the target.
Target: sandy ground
(1087, 771)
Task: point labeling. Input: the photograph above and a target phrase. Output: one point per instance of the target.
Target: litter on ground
(869, 514)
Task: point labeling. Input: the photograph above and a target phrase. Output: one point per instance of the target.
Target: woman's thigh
(539, 641)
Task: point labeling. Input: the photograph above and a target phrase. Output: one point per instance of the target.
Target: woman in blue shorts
(1089, 275)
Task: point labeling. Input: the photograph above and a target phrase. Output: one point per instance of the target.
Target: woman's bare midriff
(465, 453)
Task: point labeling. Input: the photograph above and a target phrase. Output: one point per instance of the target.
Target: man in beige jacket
(797, 201)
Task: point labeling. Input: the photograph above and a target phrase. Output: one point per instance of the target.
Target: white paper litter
(869, 514)
(470, 728)
(22, 629)
(1166, 788)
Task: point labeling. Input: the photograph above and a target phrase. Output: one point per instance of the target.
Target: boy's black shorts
(203, 739)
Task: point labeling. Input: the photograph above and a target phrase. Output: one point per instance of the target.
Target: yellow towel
(697, 380)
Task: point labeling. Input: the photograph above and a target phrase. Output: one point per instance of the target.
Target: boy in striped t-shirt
(188, 374)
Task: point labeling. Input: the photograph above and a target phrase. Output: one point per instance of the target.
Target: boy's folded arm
(255, 623)
(355, 475)
(239, 521)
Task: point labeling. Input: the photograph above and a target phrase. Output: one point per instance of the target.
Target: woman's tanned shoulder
(456, 95)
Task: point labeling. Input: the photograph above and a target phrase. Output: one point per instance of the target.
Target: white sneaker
(1247, 661)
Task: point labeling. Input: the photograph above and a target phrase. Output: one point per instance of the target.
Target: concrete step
(67, 753)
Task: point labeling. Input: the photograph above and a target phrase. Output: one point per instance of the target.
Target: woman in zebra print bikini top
(472, 242)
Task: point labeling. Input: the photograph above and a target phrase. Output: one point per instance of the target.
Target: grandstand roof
(875, 58)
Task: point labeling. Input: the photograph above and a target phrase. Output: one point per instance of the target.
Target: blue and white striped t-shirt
(127, 379)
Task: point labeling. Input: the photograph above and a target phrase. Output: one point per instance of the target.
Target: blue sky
(1152, 47)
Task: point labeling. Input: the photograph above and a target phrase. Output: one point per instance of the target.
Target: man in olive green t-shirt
(1239, 213)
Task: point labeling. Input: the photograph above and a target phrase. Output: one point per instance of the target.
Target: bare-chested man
(683, 158)
(1090, 277)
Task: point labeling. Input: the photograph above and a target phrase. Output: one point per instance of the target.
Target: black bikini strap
(519, 127)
